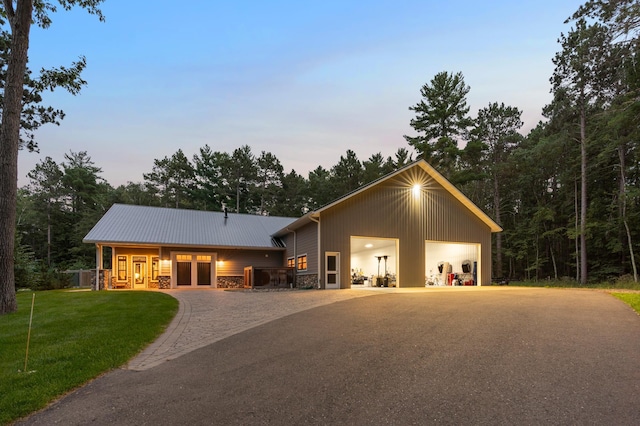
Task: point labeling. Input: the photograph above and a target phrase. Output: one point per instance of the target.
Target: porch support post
(98, 265)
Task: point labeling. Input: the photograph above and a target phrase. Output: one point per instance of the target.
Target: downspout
(319, 254)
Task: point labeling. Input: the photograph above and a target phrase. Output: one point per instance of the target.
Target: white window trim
(151, 268)
(117, 268)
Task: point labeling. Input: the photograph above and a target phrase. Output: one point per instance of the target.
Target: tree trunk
(20, 21)
(623, 210)
(583, 198)
(553, 260)
(496, 206)
(576, 227)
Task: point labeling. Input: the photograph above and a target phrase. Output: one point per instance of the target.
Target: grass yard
(75, 336)
(631, 299)
(629, 290)
(618, 285)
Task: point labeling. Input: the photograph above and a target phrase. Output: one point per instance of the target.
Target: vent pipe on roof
(224, 209)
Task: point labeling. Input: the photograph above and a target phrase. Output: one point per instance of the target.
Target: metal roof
(129, 224)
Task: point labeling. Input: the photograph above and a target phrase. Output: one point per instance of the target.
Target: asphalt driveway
(487, 356)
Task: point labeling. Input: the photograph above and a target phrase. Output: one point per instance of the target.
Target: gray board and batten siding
(389, 208)
(413, 205)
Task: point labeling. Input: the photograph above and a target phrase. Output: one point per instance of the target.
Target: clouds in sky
(303, 80)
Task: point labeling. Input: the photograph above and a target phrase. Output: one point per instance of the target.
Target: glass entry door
(139, 271)
(332, 269)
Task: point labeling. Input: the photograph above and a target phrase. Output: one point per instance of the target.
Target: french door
(194, 270)
(139, 271)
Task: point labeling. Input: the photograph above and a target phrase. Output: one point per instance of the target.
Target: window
(122, 268)
(155, 268)
(291, 263)
(302, 262)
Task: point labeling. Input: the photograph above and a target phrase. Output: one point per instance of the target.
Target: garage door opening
(451, 264)
(374, 262)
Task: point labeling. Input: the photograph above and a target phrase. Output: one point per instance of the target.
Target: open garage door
(374, 262)
(451, 264)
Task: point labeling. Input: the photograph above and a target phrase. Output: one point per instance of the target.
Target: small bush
(25, 266)
(51, 279)
(35, 276)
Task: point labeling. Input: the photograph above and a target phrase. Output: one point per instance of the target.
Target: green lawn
(75, 336)
(618, 285)
(631, 299)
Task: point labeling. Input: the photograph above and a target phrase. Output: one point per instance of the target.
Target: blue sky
(303, 80)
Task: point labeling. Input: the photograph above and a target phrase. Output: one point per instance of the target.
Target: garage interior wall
(452, 253)
(364, 257)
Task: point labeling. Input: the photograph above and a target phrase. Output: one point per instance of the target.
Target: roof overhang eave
(181, 246)
(296, 224)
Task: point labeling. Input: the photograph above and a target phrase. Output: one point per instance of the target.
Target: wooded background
(567, 194)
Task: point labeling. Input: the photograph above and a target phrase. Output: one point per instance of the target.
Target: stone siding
(164, 282)
(104, 277)
(230, 282)
(120, 284)
(307, 281)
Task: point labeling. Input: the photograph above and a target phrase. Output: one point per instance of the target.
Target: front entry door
(139, 272)
(332, 269)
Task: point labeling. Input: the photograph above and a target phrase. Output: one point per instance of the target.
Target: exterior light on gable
(416, 189)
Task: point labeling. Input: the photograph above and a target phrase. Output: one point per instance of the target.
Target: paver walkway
(206, 316)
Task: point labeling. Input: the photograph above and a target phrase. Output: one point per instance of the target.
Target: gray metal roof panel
(129, 224)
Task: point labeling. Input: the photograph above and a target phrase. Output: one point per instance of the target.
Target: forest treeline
(567, 194)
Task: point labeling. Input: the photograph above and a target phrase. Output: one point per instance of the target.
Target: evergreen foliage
(567, 189)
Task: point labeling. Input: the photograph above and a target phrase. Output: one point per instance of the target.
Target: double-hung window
(122, 268)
